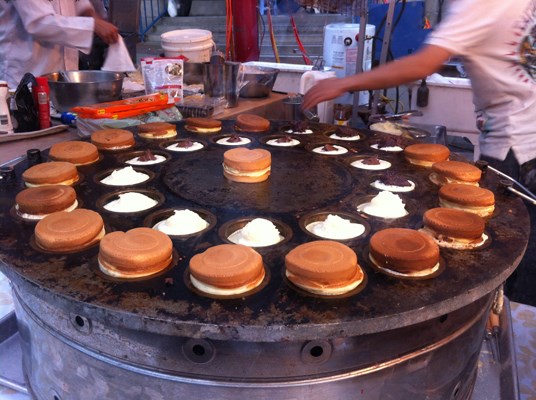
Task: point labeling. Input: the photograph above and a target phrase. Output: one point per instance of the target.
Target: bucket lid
(187, 36)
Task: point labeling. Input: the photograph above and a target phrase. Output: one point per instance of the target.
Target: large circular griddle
(291, 186)
(302, 182)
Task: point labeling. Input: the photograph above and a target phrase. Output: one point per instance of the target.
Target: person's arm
(107, 31)
(405, 70)
(47, 25)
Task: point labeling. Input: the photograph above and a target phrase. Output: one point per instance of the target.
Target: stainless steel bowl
(259, 81)
(69, 89)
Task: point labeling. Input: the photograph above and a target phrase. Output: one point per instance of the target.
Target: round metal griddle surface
(298, 181)
(302, 182)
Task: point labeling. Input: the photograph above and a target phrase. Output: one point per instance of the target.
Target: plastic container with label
(340, 53)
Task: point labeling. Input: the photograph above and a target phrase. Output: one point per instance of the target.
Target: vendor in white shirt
(44, 36)
(496, 40)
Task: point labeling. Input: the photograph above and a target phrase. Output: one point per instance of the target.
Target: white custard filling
(210, 289)
(305, 132)
(439, 179)
(325, 291)
(292, 142)
(414, 274)
(387, 148)
(226, 142)
(482, 211)
(200, 129)
(392, 188)
(259, 232)
(194, 147)
(130, 202)
(338, 150)
(335, 227)
(349, 138)
(136, 160)
(455, 243)
(125, 176)
(385, 205)
(182, 222)
(68, 182)
(422, 163)
(41, 216)
(149, 135)
(373, 167)
(235, 172)
(110, 270)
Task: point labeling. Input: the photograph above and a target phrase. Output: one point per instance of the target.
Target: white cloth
(494, 39)
(42, 36)
(118, 58)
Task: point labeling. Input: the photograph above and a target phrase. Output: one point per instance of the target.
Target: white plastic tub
(195, 44)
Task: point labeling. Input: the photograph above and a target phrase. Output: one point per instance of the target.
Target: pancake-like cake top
(110, 138)
(45, 199)
(458, 170)
(404, 250)
(137, 252)
(156, 128)
(252, 123)
(76, 152)
(242, 158)
(227, 266)
(200, 122)
(454, 223)
(67, 231)
(50, 173)
(467, 194)
(325, 261)
(427, 152)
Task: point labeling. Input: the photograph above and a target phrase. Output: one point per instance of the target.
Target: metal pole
(363, 19)
(385, 48)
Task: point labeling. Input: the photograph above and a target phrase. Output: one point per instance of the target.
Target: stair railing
(151, 12)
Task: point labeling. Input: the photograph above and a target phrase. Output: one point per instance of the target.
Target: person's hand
(326, 89)
(109, 33)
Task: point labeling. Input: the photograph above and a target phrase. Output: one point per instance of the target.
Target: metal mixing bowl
(69, 89)
(259, 81)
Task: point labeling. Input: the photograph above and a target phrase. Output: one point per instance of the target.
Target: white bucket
(340, 53)
(195, 44)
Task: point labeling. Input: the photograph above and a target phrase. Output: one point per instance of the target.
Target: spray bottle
(42, 98)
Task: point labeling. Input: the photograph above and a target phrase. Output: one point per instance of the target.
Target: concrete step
(148, 49)
(310, 28)
(209, 22)
(207, 7)
(311, 50)
(280, 39)
(306, 23)
(290, 40)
